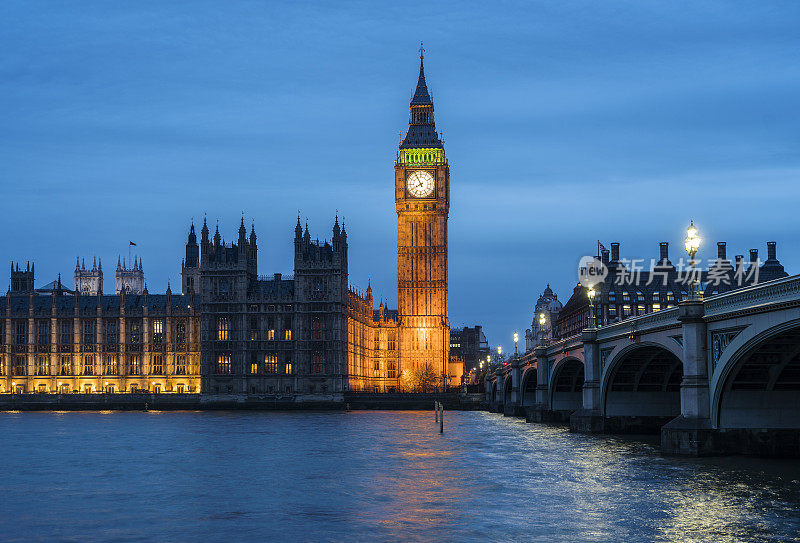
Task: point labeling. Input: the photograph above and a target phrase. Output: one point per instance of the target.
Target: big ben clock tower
(422, 197)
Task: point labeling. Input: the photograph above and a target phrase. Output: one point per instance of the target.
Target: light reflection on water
(250, 476)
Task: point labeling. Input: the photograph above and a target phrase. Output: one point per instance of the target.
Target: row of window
(657, 297)
(88, 335)
(224, 331)
(270, 365)
(87, 365)
(109, 388)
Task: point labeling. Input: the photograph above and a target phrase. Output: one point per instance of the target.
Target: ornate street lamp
(516, 339)
(499, 352)
(692, 244)
(542, 324)
(591, 293)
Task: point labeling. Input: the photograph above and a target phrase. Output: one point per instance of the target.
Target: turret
(22, 280)
(242, 244)
(192, 259)
(89, 281)
(130, 281)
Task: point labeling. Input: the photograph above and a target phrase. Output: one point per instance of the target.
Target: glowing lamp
(692, 241)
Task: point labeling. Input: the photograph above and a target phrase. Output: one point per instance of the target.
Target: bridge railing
(786, 289)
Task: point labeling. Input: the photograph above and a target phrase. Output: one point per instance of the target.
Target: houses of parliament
(231, 330)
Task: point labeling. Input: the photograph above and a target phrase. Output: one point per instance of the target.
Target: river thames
(377, 476)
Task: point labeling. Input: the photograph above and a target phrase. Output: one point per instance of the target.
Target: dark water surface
(369, 476)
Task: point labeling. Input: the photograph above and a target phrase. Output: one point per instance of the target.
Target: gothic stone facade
(270, 335)
(54, 340)
(232, 331)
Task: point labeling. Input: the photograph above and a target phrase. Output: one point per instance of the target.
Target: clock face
(420, 184)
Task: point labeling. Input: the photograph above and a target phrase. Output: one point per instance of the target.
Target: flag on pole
(132, 243)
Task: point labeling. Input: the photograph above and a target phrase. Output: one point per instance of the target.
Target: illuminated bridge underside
(646, 383)
(763, 391)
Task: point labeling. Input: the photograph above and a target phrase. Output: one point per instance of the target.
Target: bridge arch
(757, 383)
(507, 382)
(494, 397)
(643, 380)
(528, 388)
(566, 385)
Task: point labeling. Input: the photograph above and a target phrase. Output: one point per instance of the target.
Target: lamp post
(591, 293)
(499, 353)
(542, 324)
(516, 339)
(692, 244)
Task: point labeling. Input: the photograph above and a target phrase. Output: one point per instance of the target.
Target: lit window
(41, 365)
(134, 364)
(158, 364)
(223, 327)
(254, 367)
(180, 364)
(88, 364)
(271, 334)
(287, 335)
(656, 307)
(224, 364)
(626, 310)
(65, 367)
(271, 363)
(288, 368)
(109, 364)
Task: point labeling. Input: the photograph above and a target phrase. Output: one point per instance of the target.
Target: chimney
(772, 252)
(739, 260)
(615, 251)
(664, 251)
(722, 252)
(753, 256)
(604, 257)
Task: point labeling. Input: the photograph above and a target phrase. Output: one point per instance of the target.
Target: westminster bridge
(714, 376)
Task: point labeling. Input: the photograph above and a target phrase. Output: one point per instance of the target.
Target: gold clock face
(420, 184)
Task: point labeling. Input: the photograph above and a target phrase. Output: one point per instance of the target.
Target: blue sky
(564, 123)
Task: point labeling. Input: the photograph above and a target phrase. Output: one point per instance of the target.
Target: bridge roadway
(714, 376)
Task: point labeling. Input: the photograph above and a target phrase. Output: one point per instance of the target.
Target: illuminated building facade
(232, 331)
(55, 340)
(391, 350)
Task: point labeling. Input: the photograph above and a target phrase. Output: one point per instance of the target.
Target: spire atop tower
(421, 95)
(421, 127)
(204, 231)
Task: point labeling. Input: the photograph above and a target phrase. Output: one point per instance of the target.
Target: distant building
(549, 306)
(130, 281)
(628, 292)
(88, 281)
(469, 347)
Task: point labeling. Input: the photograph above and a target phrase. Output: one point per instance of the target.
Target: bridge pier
(588, 419)
(513, 406)
(691, 433)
